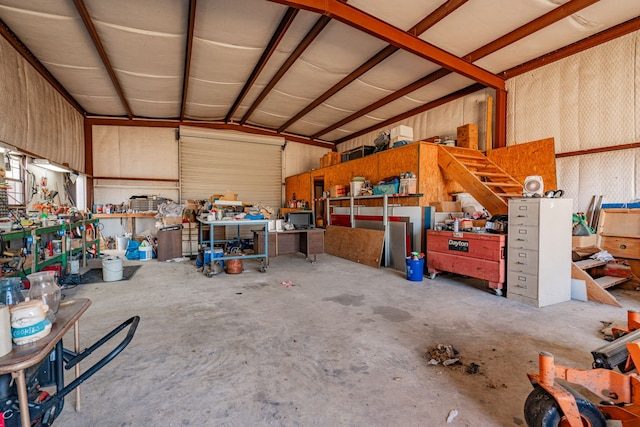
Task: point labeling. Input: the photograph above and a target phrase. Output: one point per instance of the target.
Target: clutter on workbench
(43, 286)
(30, 321)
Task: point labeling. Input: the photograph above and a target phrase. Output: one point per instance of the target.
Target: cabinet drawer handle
(521, 286)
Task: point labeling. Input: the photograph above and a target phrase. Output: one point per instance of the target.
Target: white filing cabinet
(539, 250)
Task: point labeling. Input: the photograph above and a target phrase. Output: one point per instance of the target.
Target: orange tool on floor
(554, 403)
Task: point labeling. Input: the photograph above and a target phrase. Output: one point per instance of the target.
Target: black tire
(541, 410)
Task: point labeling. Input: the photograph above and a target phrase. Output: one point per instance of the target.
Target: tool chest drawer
(479, 255)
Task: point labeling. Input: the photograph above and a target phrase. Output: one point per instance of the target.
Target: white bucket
(146, 253)
(121, 243)
(112, 269)
(356, 187)
(74, 266)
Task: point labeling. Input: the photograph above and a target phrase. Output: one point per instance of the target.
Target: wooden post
(489, 125)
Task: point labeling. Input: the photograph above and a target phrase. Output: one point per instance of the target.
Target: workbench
(308, 241)
(479, 255)
(238, 223)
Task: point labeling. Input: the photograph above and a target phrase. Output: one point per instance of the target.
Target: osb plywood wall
(300, 185)
(420, 158)
(35, 117)
(587, 101)
(532, 158)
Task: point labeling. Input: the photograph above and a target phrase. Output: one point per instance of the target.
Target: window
(14, 172)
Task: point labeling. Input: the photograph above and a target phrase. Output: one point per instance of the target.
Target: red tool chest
(479, 255)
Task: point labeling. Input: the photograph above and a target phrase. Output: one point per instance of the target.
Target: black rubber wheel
(541, 410)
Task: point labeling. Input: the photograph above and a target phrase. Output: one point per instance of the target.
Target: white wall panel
(441, 121)
(299, 158)
(544, 104)
(134, 152)
(35, 117)
(586, 101)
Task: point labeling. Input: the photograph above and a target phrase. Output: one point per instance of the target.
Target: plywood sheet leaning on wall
(530, 158)
(355, 244)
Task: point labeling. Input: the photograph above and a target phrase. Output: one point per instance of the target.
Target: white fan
(533, 186)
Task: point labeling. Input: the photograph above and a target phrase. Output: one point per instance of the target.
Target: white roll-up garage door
(214, 162)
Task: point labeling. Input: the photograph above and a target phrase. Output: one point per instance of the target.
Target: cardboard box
(401, 133)
(171, 220)
(76, 243)
(447, 206)
(583, 241)
(338, 191)
(468, 136)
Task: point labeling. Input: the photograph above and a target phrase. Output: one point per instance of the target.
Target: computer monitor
(301, 219)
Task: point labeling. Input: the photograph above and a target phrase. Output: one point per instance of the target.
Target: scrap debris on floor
(442, 353)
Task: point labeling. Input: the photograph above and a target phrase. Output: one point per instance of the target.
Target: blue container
(415, 269)
(218, 253)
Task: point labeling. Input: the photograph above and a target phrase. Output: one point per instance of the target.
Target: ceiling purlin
(602, 37)
(429, 21)
(277, 37)
(21, 48)
(529, 28)
(88, 23)
(384, 31)
(187, 57)
(432, 77)
(299, 50)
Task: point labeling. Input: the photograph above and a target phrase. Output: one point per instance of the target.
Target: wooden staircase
(480, 177)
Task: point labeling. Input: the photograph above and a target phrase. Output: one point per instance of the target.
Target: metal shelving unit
(60, 230)
(385, 213)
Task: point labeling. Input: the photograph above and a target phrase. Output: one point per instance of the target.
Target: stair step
(503, 184)
(586, 264)
(509, 194)
(468, 156)
(482, 162)
(491, 174)
(609, 281)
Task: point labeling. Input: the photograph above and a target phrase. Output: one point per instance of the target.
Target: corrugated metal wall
(214, 162)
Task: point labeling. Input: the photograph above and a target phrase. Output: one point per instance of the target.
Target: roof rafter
(376, 27)
(527, 29)
(429, 21)
(187, 57)
(277, 37)
(88, 23)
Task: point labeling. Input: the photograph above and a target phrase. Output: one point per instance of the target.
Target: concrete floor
(344, 346)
